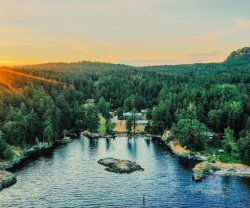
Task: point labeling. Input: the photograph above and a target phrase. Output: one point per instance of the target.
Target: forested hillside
(194, 101)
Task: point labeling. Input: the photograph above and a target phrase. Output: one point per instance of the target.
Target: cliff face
(242, 54)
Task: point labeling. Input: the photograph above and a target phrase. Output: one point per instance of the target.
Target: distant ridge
(240, 55)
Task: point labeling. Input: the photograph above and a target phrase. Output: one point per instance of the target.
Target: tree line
(194, 101)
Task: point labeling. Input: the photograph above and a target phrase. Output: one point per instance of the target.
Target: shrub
(8, 154)
(244, 148)
(191, 133)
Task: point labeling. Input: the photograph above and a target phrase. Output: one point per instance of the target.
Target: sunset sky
(135, 32)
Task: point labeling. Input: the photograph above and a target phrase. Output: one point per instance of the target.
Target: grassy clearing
(120, 127)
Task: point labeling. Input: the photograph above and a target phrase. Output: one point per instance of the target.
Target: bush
(8, 154)
(191, 133)
(225, 158)
(109, 125)
(244, 148)
(3, 146)
(229, 144)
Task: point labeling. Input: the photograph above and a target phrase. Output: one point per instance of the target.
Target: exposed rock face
(120, 166)
(183, 153)
(6, 179)
(203, 169)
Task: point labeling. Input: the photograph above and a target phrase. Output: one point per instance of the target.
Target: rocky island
(120, 166)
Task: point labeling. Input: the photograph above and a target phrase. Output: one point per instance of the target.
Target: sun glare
(5, 80)
(6, 83)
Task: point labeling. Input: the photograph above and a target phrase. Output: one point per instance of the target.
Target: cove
(71, 177)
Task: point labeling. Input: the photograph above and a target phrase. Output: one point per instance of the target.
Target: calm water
(71, 177)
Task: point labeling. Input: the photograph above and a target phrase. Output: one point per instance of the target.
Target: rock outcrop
(26, 154)
(6, 179)
(120, 166)
(184, 153)
(203, 169)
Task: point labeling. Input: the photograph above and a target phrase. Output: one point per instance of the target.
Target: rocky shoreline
(96, 135)
(25, 155)
(203, 168)
(184, 153)
(108, 136)
(120, 166)
(7, 178)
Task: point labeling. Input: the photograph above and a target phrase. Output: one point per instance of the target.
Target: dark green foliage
(92, 118)
(104, 108)
(129, 125)
(191, 133)
(120, 112)
(133, 102)
(244, 147)
(3, 147)
(214, 95)
(131, 122)
(162, 117)
(8, 154)
(240, 56)
(5, 151)
(109, 125)
(229, 141)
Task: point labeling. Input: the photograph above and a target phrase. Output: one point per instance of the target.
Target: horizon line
(125, 63)
(103, 62)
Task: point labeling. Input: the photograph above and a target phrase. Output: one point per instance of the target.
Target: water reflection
(147, 141)
(226, 183)
(71, 177)
(108, 142)
(186, 164)
(93, 146)
(132, 147)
